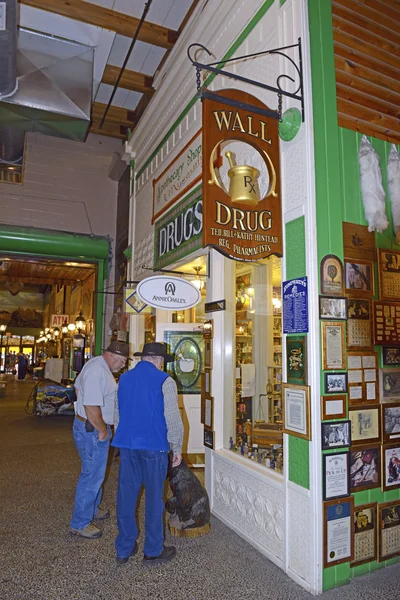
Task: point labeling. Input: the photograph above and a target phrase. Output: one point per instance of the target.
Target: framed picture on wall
(391, 467)
(359, 327)
(208, 438)
(335, 434)
(333, 407)
(296, 357)
(390, 422)
(335, 383)
(389, 385)
(365, 424)
(332, 308)
(389, 274)
(208, 354)
(365, 534)
(338, 522)
(333, 345)
(389, 530)
(365, 472)
(390, 356)
(336, 475)
(331, 275)
(359, 277)
(296, 410)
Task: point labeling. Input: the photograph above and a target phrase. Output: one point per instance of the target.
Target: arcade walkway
(40, 560)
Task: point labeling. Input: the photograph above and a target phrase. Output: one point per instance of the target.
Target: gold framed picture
(389, 274)
(333, 407)
(333, 345)
(359, 277)
(365, 424)
(389, 530)
(331, 275)
(365, 534)
(338, 531)
(296, 410)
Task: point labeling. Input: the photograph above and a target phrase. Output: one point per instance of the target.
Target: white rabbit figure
(393, 174)
(372, 192)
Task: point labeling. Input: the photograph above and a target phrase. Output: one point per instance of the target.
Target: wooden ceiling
(43, 272)
(367, 61)
(119, 121)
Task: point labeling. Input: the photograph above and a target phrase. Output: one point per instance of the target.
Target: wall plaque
(240, 221)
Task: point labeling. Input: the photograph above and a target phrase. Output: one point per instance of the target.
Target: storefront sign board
(215, 306)
(295, 305)
(169, 293)
(134, 305)
(178, 232)
(178, 177)
(238, 222)
(58, 320)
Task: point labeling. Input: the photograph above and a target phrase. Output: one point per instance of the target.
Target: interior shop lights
(80, 322)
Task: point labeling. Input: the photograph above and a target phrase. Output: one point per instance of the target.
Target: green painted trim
(246, 31)
(28, 240)
(128, 252)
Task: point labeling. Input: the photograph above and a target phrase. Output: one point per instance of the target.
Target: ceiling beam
(115, 114)
(112, 20)
(130, 80)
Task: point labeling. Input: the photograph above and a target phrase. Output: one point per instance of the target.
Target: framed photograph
(331, 275)
(386, 323)
(335, 434)
(207, 381)
(208, 439)
(331, 307)
(389, 385)
(296, 359)
(333, 345)
(359, 277)
(335, 383)
(208, 412)
(390, 356)
(391, 467)
(208, 354)
(365, 534)
(296, 410)
(338, 522)
(333, 407)
(390, 422)
(336, 475)
(389, 530)
(365, 471)
(389, 274)
(365, 424)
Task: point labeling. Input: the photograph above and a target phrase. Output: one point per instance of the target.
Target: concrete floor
(40, 560)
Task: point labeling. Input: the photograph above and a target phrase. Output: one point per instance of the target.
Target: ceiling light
(197, 282)
(71, 327)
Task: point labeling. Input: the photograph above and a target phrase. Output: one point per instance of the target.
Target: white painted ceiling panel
(177, 13)
(104, 94)
(132, 100)
(157, 13)
(145, 58)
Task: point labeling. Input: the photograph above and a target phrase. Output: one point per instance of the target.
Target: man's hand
(176, 460)
(103, 434)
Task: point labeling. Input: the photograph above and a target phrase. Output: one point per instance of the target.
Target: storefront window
(258, 372)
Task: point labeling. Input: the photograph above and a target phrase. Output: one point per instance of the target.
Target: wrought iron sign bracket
(215, 67)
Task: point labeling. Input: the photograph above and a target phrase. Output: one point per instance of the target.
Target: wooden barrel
(189, 533)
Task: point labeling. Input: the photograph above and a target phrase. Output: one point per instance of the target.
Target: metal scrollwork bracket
(216, 67)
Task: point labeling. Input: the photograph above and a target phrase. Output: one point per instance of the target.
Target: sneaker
(167, 554)
(122, 560)
(90, 532)
(101, 514)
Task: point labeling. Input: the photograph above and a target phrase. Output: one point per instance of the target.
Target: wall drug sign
(238, 220)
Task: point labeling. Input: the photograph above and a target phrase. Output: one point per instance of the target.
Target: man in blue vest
(149, 426)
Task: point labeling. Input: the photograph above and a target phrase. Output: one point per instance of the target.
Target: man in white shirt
(95, 388)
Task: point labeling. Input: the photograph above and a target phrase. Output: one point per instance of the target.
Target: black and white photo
(332, 308)
(335, 383)
(335, 434)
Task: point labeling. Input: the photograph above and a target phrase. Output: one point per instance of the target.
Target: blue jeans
(93, 454)
(139, 467)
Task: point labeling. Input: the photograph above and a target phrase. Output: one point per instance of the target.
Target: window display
(258, 370)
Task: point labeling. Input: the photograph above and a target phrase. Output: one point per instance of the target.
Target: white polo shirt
(96, 386)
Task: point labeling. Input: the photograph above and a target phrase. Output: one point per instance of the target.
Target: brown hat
(120, 348)
(155, 349)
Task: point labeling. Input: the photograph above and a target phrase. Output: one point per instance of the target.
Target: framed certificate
(296, 410)
(336, 471)
(333, 407)
(338, 531)
(365, 534)
(333, 342)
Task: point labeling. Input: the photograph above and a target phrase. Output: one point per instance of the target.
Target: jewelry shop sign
(238, 220)
(178, 177)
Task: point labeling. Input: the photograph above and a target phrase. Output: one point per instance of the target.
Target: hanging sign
(178, 177)
(59, 320)
(170, 293)
(134, 305)
(238, 220)
(295, 305)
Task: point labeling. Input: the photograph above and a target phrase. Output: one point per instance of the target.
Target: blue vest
(142, 423)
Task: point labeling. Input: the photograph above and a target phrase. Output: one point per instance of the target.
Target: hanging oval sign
(169, 293)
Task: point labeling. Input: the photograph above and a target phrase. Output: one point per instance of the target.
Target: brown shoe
(168, 553)
(102, 514)
(91, 532)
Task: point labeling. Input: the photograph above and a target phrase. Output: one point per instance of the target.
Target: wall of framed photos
(360, 325)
